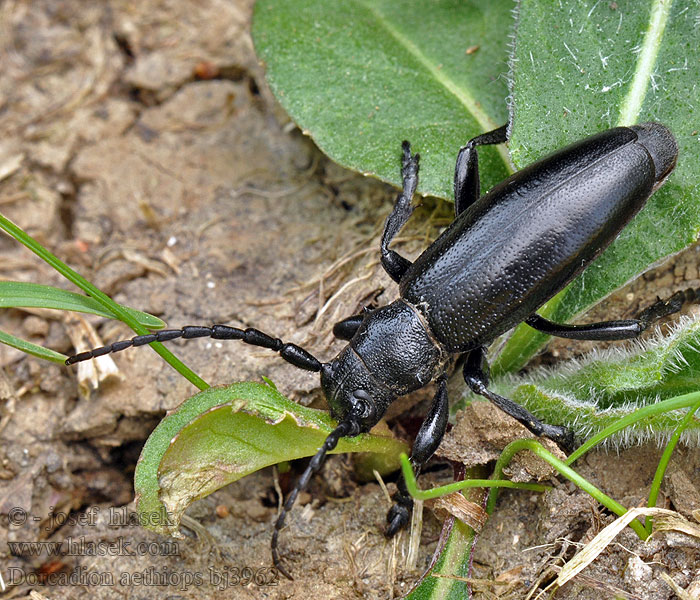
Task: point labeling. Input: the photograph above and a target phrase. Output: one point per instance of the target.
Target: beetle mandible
(506, 253)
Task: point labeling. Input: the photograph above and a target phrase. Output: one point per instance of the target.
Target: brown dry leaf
(460, 508)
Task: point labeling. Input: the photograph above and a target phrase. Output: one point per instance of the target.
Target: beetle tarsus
(467, 188)
(622, 329)
(399, 514)
(664, 308)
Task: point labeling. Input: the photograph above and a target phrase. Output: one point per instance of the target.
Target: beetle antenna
(347, 428)
(290, 352)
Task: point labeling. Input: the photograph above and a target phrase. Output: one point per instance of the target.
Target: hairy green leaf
(593, 393)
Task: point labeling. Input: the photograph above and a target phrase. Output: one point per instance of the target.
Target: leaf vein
(646, 62)
(460, 93)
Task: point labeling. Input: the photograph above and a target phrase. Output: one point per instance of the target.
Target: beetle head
(352, 392)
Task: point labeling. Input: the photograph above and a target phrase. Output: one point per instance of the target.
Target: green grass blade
(33, 349)
(665, 459)
(561, 467)
(17, 294)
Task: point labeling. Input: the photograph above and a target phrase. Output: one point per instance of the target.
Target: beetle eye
(363, 404)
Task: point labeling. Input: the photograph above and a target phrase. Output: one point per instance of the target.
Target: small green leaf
(360, 76)
(33, 349)
(581, 67)
(225, 433)
(16, 294)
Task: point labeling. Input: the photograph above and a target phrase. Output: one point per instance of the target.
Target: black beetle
(504, 256)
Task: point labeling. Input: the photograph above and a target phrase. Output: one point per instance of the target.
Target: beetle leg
(466, 185)
(476, 374)
(617, 330)
(347, 328)
(427, 441)
(395, 264)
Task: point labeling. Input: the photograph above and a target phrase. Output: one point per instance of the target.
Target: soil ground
(141, 145)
